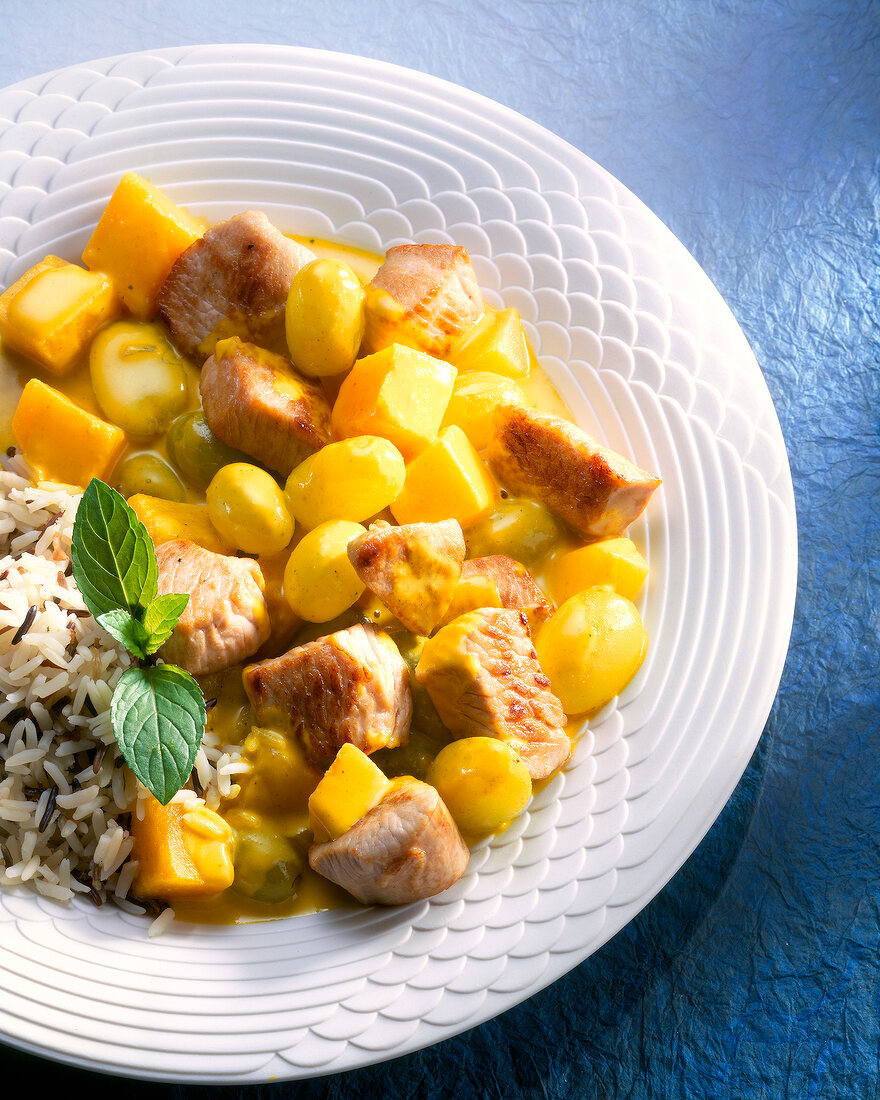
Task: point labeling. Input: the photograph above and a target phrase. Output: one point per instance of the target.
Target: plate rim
(176, 55)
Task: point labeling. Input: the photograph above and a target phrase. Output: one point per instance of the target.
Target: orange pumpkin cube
(61, 441)
(166, 520)
(615, 562)
(399, 394)
(496, 343)
(181, 851)
(140, 235)
(51, 313)
(448, 480)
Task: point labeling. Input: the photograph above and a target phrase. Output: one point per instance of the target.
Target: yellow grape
(324, 318)
(591, 648)
(247, 507)
(521, 529)
(138, 378)
(483, 783)
(352, 479)
(319, 581)
(146, 473)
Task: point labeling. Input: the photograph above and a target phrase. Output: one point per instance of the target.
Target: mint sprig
(158, 711)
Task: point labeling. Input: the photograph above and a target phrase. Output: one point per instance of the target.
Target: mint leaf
(159, 718)
(114, 563)
(128, 630)
(158, 713)
(161, 617)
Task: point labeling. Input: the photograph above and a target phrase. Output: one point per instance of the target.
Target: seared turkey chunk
(483, 676)
(256, 402)
(351, 686)
(514, 583)
(594, 489)
(404, 849)
(423, 296)
(233, 281)
(226, 620)
(413, 569)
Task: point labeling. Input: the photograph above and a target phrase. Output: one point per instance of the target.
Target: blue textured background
(753, 130)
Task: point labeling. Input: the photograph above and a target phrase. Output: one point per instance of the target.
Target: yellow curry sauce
(265, 799)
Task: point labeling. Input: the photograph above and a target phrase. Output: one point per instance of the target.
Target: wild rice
(63, 784)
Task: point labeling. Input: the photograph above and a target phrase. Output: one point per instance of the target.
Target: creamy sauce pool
(230, 718)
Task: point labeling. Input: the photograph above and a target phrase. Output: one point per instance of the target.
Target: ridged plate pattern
(648, 358)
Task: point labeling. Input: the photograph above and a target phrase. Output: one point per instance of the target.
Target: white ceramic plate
(648, 358)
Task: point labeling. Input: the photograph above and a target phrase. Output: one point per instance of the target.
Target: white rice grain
(56, 684)
(162, 923)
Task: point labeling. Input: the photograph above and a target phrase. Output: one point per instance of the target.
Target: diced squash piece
(471, 593)
(181, 852)
(399, 394)
(475, 397)
(448, 480)
(51, 313)
(615, 562)
(61, 441)
(168, 519)
(496, 343)
(350, 788)
(140, 235)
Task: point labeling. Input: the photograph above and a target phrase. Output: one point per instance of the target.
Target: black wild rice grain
(152, 906)
(196, 785)
(26, 624)
(86, 880)
(50, 809)
(49, 522)
(98, 758)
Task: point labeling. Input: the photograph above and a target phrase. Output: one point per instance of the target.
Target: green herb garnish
(158, 711)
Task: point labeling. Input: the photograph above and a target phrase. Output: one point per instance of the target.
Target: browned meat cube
(589, 486)
(226, 620)
(351, 686)
(255, 401)
(234, 281)
(423, 296)
(413, 569)
(405, 849)
(483, 676)
(515, 585)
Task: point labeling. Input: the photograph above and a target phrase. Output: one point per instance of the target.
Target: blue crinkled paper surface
(753, 130)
